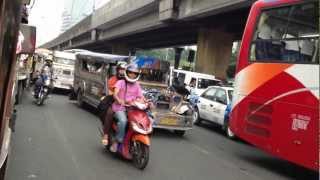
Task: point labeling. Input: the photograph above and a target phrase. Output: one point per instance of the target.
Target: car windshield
(64, 61)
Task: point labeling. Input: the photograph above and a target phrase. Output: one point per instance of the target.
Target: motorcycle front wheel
(140, 155)
(40, 99)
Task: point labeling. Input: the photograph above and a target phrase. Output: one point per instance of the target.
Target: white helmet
(132, 68)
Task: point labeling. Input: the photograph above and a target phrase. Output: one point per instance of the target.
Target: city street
(60, 141)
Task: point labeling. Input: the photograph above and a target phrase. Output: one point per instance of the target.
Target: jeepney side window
(113, 69)
(85, 66)
(287, 34)
(97, 67)
(92, 67)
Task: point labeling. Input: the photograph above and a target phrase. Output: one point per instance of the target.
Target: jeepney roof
(100, 57)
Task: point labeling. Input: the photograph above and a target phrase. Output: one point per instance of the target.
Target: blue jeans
(122, 123)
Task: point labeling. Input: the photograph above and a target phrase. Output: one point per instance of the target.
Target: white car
(212, 105)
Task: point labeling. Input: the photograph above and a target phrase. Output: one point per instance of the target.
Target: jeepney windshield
(64, 61)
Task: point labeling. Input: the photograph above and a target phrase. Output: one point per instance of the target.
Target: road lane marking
(200, 149)
(224, 163)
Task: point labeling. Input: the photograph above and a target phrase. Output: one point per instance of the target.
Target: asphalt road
(60, 141)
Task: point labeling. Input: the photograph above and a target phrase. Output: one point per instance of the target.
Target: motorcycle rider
(46, 73)
(40, 81)
(125, 92)
(107, 115)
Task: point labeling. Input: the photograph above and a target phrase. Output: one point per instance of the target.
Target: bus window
(287, 34)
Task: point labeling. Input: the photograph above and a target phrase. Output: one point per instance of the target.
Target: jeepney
(172, 111)
(90, 72)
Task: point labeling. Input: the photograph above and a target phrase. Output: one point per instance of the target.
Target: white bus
(63, 69)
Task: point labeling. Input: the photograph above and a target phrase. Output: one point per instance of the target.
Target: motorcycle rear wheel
(140, 155)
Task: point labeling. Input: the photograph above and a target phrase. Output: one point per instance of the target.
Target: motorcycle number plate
(168, 121)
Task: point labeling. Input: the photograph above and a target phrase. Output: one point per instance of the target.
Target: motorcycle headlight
(45, 90)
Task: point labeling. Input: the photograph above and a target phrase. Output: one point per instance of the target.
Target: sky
(46, 15)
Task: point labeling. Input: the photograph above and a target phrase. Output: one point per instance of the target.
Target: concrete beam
(177, 57)
(167, 10)
(120, 11)
(126, 19)
(193, 9)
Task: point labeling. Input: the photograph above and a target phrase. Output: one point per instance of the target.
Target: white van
(63, 67)
(198, 81)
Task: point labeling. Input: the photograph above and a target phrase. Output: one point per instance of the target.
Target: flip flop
(105, 140)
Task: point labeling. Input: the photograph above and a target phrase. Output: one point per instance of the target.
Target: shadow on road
(215, 128)
(281, 167)
(163, 133)
(61, 91)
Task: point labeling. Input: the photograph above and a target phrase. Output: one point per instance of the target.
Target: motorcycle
(136, 143)
(43, 92)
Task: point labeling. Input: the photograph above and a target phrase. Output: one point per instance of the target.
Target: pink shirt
(133, 91)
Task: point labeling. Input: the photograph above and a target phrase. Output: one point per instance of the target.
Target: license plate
(168, 121)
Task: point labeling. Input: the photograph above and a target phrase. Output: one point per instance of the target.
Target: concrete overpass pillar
(120, 49)
(177, 57)
(214, 52)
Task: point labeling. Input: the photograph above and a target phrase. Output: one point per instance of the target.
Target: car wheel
(196, 117)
